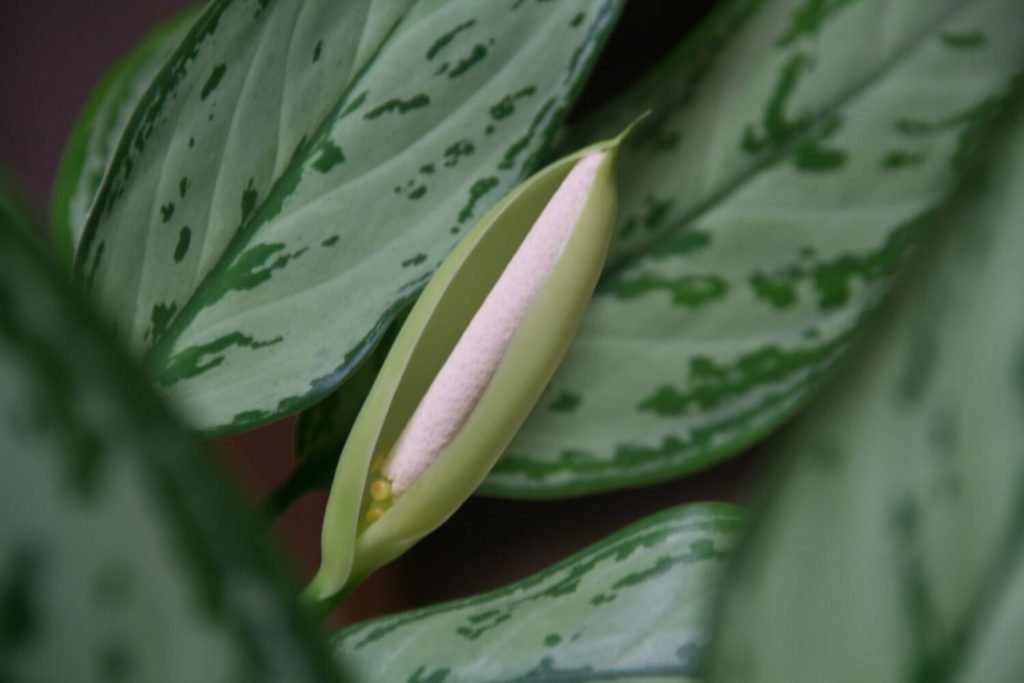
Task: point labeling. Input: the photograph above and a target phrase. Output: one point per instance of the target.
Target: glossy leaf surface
(892, 548)
(121, 558)
(300, 168)
(794, 153)
(98, 129)
(633, 607)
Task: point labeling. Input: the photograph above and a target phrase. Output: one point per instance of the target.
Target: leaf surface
(892, 548)
(632, 607)
(795, 153)
(96, 132)
(297, 171)
(121, 556)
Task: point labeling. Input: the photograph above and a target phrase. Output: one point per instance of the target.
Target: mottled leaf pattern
(299, 169)
(796, 148)
(893, 547)
(98, 129)
(633, 607)
(120, 557)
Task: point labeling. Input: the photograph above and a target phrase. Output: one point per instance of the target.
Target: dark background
(53, 52)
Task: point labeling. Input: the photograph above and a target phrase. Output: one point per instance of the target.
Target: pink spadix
(468, 370)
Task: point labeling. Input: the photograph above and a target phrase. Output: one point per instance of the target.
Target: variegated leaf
(795, 150)
(121, 558)
(297, 171)
(892, 548)
(633, 607)
(98, 129)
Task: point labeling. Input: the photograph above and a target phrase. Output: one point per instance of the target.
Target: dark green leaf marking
(815, 155)
(834, 279)
(565, 403)
(454, 152)
(712, 383)
(971, 122)
(963, 40)
(167, 211)
(355, 103)
(690, 291)
(253, 267)
(196, 360)
(777, 129)
(249, 196)
(520, 145)
(213, 81)
(656, 210)
(184, 237)
(414, 261)
(681, 244)
(19, 593)
(476, 193)
(448, 37)
(507, 106)
(329, 156)
(160, 318)
(902, 158)
(477, 55)
(400, 106)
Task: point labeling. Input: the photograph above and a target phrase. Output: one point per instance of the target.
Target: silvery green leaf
(795, 152)
(632, 607)
(121, 556)
(890, 548)
(297, 171)
(98, 129)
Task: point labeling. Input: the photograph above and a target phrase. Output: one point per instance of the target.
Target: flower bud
(472, 358)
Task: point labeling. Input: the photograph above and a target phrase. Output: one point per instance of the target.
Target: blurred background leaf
(891, 547)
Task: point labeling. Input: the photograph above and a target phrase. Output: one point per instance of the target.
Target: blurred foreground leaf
(892, 549)
(121, 556)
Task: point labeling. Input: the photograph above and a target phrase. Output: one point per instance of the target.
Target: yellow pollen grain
(373, 514)
(380, 490)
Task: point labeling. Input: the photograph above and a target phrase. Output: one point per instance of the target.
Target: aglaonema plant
(374, 213)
